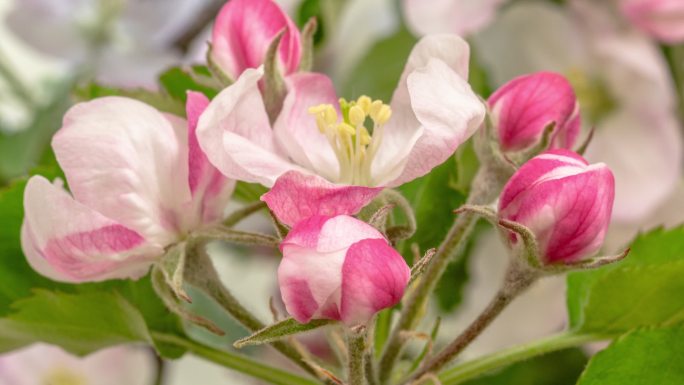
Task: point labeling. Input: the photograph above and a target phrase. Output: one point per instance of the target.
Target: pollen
(354, 134)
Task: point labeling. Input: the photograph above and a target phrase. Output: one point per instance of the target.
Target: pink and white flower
(138, 183)
(461, 17)
(623, 87)
(522, 108)
(46, 364)
(339, 268)
(564, 201)
(243, 31)
(662, 19)
(318, 143)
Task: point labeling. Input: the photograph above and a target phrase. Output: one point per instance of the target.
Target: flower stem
(238, 215)
(486, 187)
(356, 344)
(235, 361)
(479, 366)
(518, 278)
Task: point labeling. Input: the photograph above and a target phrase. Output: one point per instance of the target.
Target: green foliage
(643, 290)
(80, 323)
(248, 192)
(378, 73)
(159, 100)
(178, 81)
(558, 368)
(307, 10)
(652, 356)
(279, 330)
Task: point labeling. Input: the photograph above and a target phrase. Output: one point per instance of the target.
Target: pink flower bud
(525, 106)
(662, 19)
(339, 268)
(243, 31)
(565, 201)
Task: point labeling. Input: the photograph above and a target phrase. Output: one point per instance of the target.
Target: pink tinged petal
(449, 113)
(526, 105)
(296, 129)
(243, 31)
(127, 161)
(662, 19)
(414, 120)
(210, 189)
(374, 277)
(310, 274)
(65, 240)
(462, 17)
(296, 196)
(236, 136)
(310, 282)
(565, 202)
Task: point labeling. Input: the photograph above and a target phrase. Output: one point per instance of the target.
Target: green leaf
(159, 100)
(178, 81)
(79, 323)
(652, 356)
(563, 367)
(248, 192)
(279, 330)
(378, 73)
(643, 290)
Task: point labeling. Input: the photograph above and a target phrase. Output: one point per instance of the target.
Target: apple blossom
(662, 19)
(46, 364)
(243, 31)
(339, 268)
(138, 183)
(522, 108)
(462, 17)
(127, 42)
(564, 201)
(345, 150)
(622, 84)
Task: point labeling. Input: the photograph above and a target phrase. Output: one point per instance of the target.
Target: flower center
(356, 137)
(64, 376)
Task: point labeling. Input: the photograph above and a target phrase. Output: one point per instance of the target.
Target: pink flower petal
(243, 31)
(374, 277)
(235, 134)
(462, 17)
(67, 241)
(296, 129)
(662, 19)
(297, 196)
(125, 160)
(208, 186)
(436, 108)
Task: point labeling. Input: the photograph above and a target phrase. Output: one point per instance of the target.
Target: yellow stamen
(356, 116)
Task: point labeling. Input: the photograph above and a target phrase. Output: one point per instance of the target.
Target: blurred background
(627, 70)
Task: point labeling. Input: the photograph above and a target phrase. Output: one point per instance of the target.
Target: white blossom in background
(622, 82)
(127, 41)
(41, 364)
(462, 17)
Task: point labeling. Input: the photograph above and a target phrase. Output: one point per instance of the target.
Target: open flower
(525, 106)
(462, 17)
(243, 31)
(45, 364)
(339, 268)
(138, 183)
(622, 84)
(342, 152)
(564, 201)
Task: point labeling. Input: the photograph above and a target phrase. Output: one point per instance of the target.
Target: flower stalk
(356, 345)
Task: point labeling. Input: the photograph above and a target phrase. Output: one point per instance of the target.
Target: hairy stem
(235, 361)
(485, 189)
(482, 365)
(237, 216)
(201, 274)
(356, 344)
(518, 279)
